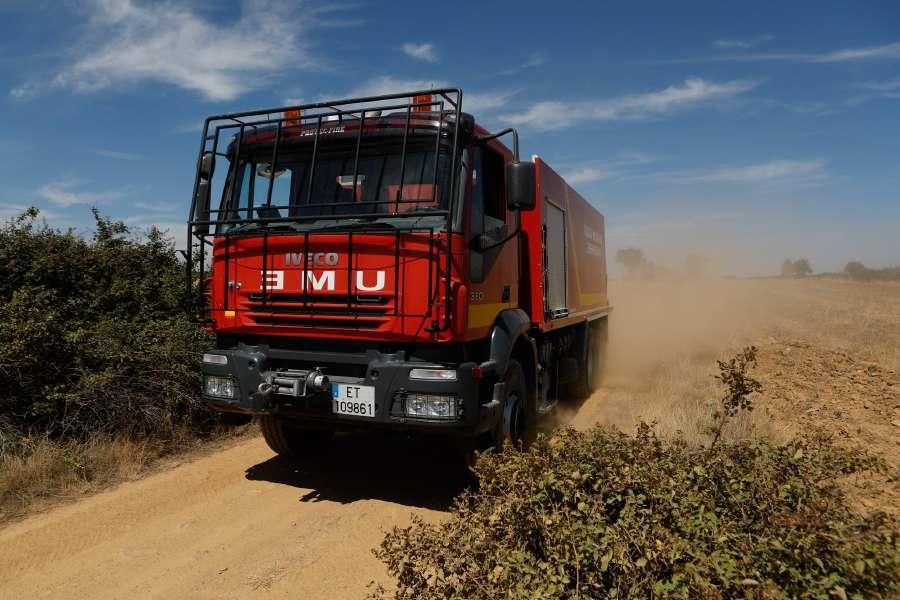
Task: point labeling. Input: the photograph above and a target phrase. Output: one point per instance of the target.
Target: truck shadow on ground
(414, 472)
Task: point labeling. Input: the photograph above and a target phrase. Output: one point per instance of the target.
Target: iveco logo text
(312, 258)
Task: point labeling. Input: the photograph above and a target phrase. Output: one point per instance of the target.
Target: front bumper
(388, 374)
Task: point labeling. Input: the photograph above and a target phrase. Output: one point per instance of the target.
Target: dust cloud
(658, 322)
(664, 338)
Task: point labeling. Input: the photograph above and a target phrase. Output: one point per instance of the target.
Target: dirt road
(240, 523)
(235, 524)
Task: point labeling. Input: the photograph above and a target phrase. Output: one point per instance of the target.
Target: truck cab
(370, 263)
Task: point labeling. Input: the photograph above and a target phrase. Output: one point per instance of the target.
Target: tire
(516, 424)
(289, 441)
(590, 376)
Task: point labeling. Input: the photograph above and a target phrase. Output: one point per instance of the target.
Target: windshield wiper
(240, 227)
(354, 226)
(253, 226)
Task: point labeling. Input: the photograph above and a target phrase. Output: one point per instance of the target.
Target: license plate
(353, 400)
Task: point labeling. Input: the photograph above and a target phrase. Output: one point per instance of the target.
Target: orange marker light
(424, 102)
(230, 313)
(292, 118)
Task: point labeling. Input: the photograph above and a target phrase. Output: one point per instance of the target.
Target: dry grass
(266, 578)
(43, 472)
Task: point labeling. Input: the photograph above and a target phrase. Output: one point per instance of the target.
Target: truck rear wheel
(286, 440)
(594, 357)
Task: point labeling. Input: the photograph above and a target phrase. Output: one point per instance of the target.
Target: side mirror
(520, 186)
(206, 166)
(201, 207)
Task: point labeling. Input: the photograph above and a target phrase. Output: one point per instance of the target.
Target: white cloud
(556, 114)
(127, 43)
(171, 230)
(65, 193)
(420, 51)
(475, 102)
(850, 54)
(117, 155)
(618, 167)
(155, 207)
(882, 86)
(481, 102)
(883, 52)
(586, 174)
(773, 171)
(743, 44)
(388, 84)
(535, 59)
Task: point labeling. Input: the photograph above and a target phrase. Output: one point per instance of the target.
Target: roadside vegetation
(859, 272)
(602, 514)
(99, 366)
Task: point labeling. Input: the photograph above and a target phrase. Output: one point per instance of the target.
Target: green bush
(93, 338)
(601, 514)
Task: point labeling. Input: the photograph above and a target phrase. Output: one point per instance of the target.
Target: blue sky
(748, 133)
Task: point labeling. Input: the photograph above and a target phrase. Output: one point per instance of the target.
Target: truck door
(493, 262)
(555, 277)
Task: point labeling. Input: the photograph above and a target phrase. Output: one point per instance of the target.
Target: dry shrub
(600, 514)
(93, 338)
(99, 365)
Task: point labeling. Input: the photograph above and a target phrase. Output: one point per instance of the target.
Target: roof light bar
(292, 118)
(422, 103)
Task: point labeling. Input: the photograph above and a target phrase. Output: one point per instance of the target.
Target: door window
(487, 212)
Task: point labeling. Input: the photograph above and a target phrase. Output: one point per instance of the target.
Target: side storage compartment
(555, 244)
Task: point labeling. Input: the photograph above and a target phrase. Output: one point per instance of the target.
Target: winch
(293, 382)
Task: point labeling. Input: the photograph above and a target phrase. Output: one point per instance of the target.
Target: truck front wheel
(286, 440)
(515, 426)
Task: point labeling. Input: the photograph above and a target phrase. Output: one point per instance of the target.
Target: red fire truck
(386, 262)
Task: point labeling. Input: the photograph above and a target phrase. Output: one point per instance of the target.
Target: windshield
(328, 190)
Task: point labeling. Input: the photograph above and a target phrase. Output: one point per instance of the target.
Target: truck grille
(319, 310)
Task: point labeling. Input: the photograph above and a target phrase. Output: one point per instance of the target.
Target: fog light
(215, 359)
(220, 387)
(432, 406)
(433, 374)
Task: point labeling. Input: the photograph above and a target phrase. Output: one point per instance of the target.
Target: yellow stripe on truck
(483, 315)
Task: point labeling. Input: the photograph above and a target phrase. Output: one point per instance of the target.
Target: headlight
(432, 406)
(433, 374)
(215, 359)
(220, 387)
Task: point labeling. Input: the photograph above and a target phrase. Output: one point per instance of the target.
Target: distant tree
(802, 268)
(796, 268)
(855, 269)
(787, 268)
(632, 259)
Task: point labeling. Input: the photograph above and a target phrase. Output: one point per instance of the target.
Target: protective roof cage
(406, 119)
